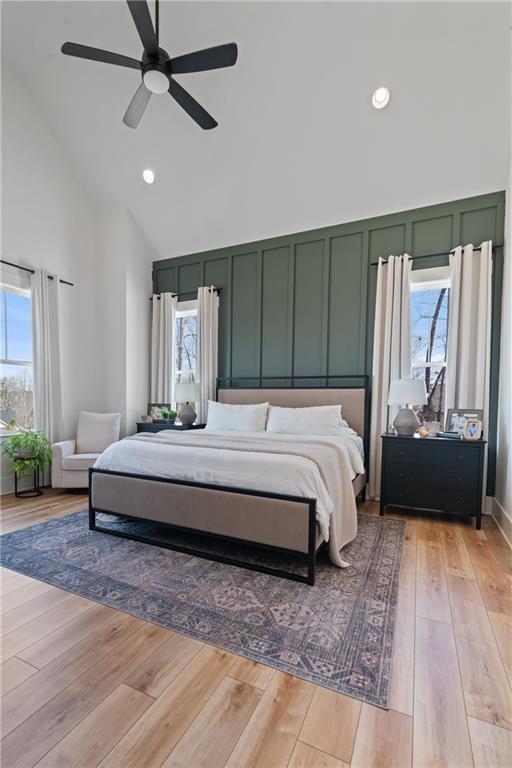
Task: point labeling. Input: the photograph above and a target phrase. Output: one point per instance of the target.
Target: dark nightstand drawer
(417, 451)
(449, 501)
(435, 474)
(449, 478)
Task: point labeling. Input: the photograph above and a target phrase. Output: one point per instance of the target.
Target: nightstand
(434, 473)
(158, 426)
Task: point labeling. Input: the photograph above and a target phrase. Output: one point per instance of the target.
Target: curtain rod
(190, 294)
(432, 255)
(32, 271)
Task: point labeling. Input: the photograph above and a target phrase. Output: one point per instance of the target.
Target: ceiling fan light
(148, 175)
(156, 81)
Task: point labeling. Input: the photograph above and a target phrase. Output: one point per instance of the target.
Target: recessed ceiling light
(381, 97)
(148, 175)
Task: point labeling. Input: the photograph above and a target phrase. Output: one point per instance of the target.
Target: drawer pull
(457, 501)
(459, 458)
(401, 474)
(402, 453)
(459, 479)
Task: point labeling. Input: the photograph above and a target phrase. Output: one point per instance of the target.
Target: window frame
(18, 292)
(27, 292)
(185, 309)
(435, 278)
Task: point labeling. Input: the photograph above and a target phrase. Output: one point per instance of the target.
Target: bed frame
(275, 522)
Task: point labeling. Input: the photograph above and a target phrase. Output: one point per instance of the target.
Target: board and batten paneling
(245, 314)
(309, 349)
(303, 304)
(276, 315)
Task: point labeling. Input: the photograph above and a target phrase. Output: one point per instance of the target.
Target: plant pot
(24, 454)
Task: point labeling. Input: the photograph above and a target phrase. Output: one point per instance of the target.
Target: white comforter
(325, 475)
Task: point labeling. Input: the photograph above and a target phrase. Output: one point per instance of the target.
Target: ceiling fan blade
(191, 106)
(137, 106)
(96, 54)
(142, 18)
(209, 58)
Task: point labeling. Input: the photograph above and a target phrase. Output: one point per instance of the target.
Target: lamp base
(187, 414)
(406, 423)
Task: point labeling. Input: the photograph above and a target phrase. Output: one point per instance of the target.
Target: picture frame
(155, 410)
(472, 429)
(456, 418)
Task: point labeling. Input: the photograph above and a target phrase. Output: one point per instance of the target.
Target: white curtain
(163, 347)
(468, 356)
(46, 355)
(207, 346)
(391, 350)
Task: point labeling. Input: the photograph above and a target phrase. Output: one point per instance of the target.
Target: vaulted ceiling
(298, 144)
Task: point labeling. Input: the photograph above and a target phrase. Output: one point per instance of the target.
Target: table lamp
(187, 394)
(407, 392)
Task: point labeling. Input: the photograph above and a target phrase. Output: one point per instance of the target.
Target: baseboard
(503, 521)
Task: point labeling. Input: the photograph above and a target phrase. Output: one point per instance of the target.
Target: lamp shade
(407, 392)
(187, 392)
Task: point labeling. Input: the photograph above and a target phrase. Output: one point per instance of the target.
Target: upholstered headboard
(352, 401)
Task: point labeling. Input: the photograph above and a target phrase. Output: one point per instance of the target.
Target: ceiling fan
(157, 67)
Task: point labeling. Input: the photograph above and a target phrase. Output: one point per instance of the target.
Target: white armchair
(72, 458)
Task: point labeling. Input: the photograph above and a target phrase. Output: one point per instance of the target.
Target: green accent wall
(303, 304)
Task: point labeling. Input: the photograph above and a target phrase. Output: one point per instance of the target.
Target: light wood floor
(85, 685)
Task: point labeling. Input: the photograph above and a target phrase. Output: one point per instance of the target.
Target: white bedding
(165, 455)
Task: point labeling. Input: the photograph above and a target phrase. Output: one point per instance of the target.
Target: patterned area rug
(338, 634)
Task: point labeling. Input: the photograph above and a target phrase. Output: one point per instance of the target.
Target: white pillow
(316, 420)
(223, 417)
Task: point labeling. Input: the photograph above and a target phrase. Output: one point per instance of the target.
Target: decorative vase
(187, 414)
(406, 423)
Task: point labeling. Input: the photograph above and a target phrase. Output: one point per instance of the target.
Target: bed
(285, 493)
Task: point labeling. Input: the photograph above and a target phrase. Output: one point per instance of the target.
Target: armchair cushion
(79, 461)
(96, 431)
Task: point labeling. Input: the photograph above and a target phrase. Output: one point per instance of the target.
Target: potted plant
(430, 421)
(29, 451)
(169, 415)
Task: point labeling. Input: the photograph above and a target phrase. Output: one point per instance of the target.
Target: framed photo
(472, 429)
(456, 418)
(155, 410)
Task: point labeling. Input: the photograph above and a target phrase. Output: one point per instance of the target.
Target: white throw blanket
(329, 458)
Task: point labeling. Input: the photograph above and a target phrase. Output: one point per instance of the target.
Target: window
(16, 388)
(430, 293)
(186, 341)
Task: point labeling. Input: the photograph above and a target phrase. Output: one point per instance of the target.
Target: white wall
(502, 507)
(125, 315)
(49, 221)
(503, 494)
